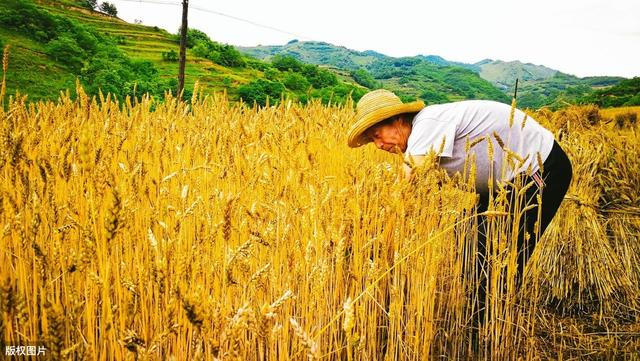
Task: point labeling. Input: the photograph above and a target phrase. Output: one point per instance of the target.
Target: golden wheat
(151, 229)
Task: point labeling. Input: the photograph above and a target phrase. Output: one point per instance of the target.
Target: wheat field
(210, 230)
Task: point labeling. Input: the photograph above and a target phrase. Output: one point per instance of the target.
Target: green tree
(194, 37)
(111, 71)
(338, 94)
(109, 9)
(202, 50)
(91, 4)
(319, 78)
(257, 64)
(67, 51)
(83, 36)
(286, 62)
(271, 73)
(170, 55)
(225, 55)
(229, 56)
(295, 82)
(143, 77)
(259, 90)
(365, 79)
(433, 96)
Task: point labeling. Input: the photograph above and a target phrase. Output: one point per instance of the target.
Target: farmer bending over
(415, 130)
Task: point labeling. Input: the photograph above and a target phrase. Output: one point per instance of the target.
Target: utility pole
(183, 46)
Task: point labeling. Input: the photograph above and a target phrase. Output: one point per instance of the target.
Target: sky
(582, 38)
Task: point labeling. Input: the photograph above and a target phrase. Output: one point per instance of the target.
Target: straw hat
(373, 108)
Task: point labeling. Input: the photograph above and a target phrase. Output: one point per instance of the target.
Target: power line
(161, 2)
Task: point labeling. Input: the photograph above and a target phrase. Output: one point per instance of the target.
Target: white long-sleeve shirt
(454, 123)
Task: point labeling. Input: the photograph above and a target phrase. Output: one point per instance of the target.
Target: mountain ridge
(539, 85)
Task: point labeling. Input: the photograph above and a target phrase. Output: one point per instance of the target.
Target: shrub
(271, 73)
(286, 62)
(229, 56)
(338, 94)
(111, 71)
(319, 78)
(144, 76)
(170, 55)
(225, 55)
(634, 100)
(365, 79)
(257, 64)
(84, 38)
(259, 90)
(28, 19)
(202, 50)
(295, 82)
(433, 96)
(67, 51)
(194, 37)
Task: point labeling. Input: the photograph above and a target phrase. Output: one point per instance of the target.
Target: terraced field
(137, 41)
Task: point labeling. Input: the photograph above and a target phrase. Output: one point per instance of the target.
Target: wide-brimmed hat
(373, 108)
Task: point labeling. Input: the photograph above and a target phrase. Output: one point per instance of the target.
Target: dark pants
(552, 185)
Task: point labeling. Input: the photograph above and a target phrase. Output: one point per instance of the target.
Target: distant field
(612, 112)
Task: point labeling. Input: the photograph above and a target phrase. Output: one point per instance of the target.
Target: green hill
(538, 85)
(316, 52)
(409, 77)
(53, 43)
(504, 74)
(626, 93)
(436, 79)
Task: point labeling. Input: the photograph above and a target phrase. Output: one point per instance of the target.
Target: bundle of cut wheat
(577, 266)
(620, 200)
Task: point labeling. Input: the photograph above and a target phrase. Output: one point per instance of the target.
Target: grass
(28, 65)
